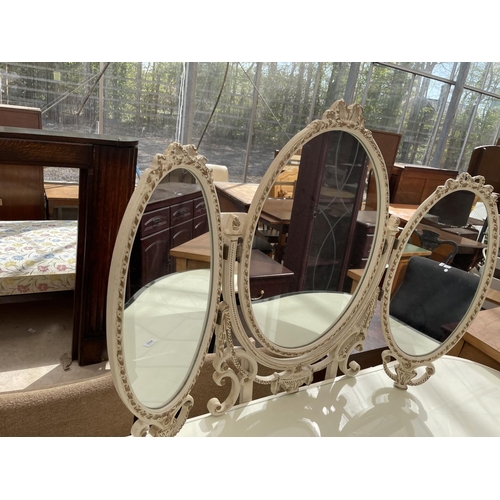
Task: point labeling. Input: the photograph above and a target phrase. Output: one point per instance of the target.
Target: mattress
(37, 256)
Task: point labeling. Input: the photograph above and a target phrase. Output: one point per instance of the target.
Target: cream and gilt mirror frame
(411, 370)
(238, 333)
(169, 418)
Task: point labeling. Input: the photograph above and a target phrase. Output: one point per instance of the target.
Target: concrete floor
(35, 342)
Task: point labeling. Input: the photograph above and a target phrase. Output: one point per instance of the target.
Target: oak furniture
(388, 143)
(366, 224)
(485, 161)
(481, 341)
(21, 187)
(267, 277)
(409, 252)
(107, 173)
(175, 214)
(60, 196)
(235, 196)
(412, 184)
(469, 251)
(329, 193)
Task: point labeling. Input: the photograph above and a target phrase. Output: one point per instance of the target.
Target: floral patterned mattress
(37, 256)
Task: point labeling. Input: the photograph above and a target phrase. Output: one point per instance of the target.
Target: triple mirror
(290, 282)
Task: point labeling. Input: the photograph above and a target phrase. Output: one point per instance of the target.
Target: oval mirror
(311, 235)
(439, 274)
(162, 295)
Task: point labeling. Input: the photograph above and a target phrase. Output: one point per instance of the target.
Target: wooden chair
(485, 161)
(442, 250)
(388, 143)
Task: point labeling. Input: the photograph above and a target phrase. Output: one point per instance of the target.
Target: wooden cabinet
(363, 238)
(176, 214)
(268, 278)
(327, 200)
(21, 186)
(412, 184)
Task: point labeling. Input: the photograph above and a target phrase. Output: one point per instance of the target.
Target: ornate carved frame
(295, 366)
(404, 370)
(165, 421)
(232, 235)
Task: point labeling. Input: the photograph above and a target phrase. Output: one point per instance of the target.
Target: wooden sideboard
(107, 174)
(176, 214)
(412, 184)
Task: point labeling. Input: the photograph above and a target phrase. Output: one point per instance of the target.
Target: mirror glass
(313, 240)
(437, 276)
(167, 295)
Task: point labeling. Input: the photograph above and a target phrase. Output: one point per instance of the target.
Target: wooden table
(409, 251)
(277, 213)
(470, 251)
(235, 196)
(402, 211)
(59, 196)
(481, 342)
(405, 212)
(267, 277)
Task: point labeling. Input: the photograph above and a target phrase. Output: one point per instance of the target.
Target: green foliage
(142, 99)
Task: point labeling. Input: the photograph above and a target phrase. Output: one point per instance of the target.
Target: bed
(37, 256)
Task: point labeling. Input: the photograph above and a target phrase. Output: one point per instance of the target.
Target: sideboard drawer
(200, 207)
(154, 221)
(181, 213)
(200, 226)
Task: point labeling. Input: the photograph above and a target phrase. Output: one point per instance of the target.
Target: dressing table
(158, 338)
(464, 400)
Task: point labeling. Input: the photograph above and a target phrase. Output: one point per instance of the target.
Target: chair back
(442, 250)
(433, 296)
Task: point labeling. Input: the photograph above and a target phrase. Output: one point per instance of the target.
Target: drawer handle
(259, 297)
(181, 212)
(201, 206)
(156, 221)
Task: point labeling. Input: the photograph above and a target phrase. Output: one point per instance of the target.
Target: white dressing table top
(461, 399)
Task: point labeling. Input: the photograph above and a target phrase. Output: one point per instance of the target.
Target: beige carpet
(34, 338)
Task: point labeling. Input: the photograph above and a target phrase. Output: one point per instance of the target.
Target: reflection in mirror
(434, 293)
(166, 307)
(318, 236)
(428, 305)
